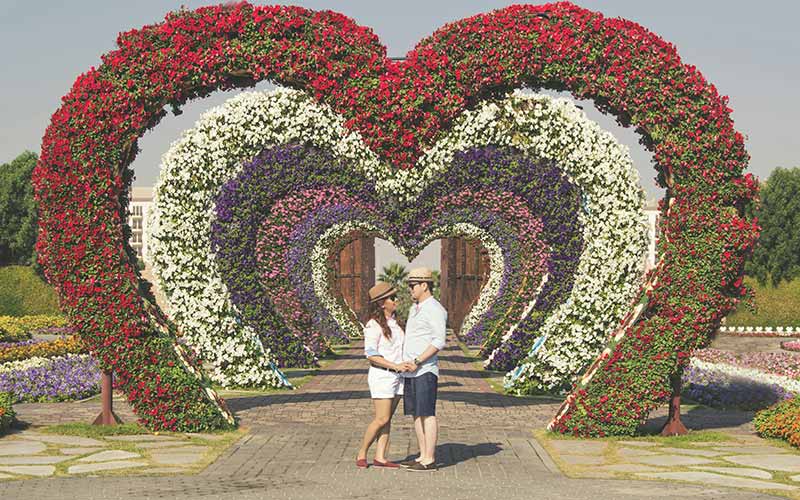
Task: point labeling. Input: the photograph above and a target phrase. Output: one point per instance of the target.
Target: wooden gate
(355, 274)
(464, 268)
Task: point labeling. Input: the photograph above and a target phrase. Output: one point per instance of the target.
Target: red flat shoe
(361, 463)
(387, 464)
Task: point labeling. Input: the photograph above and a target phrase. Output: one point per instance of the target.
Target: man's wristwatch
(416, 361)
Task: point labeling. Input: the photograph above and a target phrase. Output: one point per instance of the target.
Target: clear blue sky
(749, 50)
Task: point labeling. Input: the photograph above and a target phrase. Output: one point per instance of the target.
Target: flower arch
(399, 109)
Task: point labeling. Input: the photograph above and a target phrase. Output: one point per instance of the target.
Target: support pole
(673, 426)
(107, 415)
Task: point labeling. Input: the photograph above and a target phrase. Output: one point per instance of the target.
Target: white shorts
(384, 384)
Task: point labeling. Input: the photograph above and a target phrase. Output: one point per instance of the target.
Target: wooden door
(464, 268)
(355, 274)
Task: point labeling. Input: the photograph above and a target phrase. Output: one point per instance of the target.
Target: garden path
(302, 443)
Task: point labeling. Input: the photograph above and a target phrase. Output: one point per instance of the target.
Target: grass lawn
(778, 306)
(24, 293)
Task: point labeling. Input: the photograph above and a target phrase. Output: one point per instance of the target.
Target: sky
(749, 50)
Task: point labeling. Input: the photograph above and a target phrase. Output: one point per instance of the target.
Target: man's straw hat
(420, 274)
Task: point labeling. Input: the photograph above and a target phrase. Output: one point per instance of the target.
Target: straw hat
(381, 290)
(420, 274)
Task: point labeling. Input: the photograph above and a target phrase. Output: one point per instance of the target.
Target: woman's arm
(372, 336)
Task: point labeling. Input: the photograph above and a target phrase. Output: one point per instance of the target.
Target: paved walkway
(302, 444)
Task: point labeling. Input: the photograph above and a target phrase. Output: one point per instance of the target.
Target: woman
(383, 346)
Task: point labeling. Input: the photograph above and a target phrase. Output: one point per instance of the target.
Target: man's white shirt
(427, 325)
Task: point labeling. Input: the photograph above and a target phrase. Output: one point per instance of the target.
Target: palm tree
(394, 274)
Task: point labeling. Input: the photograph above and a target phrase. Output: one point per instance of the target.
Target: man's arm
(439, 327)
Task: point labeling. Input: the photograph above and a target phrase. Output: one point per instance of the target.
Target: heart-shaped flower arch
(399, 109)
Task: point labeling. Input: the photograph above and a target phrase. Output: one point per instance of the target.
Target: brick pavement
(302, 444)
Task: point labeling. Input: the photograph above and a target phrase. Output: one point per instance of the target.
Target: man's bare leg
(420, 431)
(430, 428)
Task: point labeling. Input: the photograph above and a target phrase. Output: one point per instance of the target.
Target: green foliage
(93, 431)
(781, 421)
(24, 293)
(18, 217)
(777, 255)
(775, 305)
(7, 415)
(395, 274)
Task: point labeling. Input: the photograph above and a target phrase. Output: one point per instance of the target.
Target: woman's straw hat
(381, 290)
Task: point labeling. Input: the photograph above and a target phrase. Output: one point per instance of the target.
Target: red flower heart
(399, 108)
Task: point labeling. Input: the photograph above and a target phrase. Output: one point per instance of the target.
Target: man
(425, 337)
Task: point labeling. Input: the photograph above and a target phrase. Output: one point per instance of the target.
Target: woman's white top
(376, 344)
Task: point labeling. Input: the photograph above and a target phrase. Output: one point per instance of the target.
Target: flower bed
(16, 328)
(49, 349)
(781, 421)
(7, 414)
(791, 345)
(726, 386)
(62, 378)
(400, 110)
(773, 363)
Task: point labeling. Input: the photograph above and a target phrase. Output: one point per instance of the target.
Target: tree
(395, 274)
(18, 216)
(777, 255)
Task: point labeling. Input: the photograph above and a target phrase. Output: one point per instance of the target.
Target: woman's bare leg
(383, 413)
(383, 434)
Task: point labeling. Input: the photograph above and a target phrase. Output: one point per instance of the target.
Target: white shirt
(427, 324)
(376, 344)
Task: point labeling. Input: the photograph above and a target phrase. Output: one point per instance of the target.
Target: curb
(548, 462)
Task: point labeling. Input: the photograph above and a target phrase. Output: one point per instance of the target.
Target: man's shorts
(419, 395)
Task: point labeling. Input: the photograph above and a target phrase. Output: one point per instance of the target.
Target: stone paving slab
(29, 470)
(737, 471)
(21, 447)
(108, 455)
(79, 450)
(717, 479)
(785, 463)
(104, 466)
(176, 458)
(688, 451)
(636, 452)
(34, 460)
(672, 460)
(161, 444)
(55, 439)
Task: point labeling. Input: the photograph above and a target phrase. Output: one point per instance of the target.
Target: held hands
(407, 366)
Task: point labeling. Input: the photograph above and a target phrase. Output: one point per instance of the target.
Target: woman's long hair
(376, 313)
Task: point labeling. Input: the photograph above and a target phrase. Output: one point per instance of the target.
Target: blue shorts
(419, 395)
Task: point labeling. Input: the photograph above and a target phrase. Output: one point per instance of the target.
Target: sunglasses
(392, 297)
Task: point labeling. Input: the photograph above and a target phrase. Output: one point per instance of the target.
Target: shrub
(17, 211)
(780, 421)
(7, 415)
(775, 305)
(13, 329)
(776, 257)
(24, 293)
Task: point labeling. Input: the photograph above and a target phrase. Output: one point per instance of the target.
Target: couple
(404, 364)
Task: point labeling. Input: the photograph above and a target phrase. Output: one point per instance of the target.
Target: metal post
(673, 426)
(107, 415)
